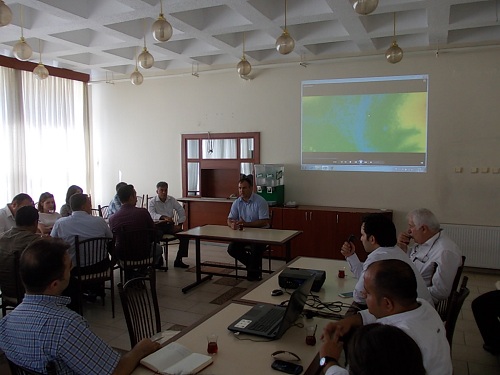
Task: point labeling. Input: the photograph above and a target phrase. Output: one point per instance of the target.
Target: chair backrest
(457, 301)
(19, 370)
(95, 212)
(91, 252)
(103, 211)
(140, 202)
(140, 307)
(442, 307)
(135, 245)
(11, 286)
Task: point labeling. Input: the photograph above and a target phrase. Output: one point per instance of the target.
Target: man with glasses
(435, 255)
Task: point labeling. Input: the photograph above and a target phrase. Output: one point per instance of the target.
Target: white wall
(137, 130)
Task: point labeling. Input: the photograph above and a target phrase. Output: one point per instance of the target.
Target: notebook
(271, 321)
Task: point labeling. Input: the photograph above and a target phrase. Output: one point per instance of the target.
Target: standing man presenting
(435, 255)
(161, 208)
(249, 210)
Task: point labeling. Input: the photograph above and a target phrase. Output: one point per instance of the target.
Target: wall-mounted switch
(474, 170)
(485, 170)
(458, 169)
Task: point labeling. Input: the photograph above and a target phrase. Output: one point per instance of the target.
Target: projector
(292, 278)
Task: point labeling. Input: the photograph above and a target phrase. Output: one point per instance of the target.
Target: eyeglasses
(284, 355)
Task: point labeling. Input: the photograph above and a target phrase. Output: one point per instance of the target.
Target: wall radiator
(480, 244)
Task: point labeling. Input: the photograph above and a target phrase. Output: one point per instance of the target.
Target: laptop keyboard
(268, 321)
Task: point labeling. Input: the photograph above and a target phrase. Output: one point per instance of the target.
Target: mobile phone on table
(288, 367)
(346, 295)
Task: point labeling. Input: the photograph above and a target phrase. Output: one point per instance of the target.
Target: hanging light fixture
(394, 53)
(146, 60)
(162, 29)
(136, 77)
(364, 7)
(22, 50)
(40, 71)
(5, 14)
(285, 43)
(244, 67)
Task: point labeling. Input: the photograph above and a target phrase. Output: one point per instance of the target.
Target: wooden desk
(225, 234)
(246, 356)
(328, 293)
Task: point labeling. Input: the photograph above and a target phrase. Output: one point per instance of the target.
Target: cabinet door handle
(305, 213)
(310, 215)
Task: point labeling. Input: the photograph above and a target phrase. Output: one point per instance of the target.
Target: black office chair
(140, 306)
(443, 306)
(12, 290)
(134, 251)
(19, 370)
(97, 254)
(103, 211)
(456, 303)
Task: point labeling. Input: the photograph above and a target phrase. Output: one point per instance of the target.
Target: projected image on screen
(365, 124)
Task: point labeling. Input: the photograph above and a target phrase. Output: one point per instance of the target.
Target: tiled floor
(177, 308)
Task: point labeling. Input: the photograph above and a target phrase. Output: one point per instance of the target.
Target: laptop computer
(271, 321)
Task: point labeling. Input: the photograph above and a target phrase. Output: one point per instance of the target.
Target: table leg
(199, 279)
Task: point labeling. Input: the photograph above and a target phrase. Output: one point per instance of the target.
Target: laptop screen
(296, 304)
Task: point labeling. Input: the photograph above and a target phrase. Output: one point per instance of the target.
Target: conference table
(247, 354)
(223, 233)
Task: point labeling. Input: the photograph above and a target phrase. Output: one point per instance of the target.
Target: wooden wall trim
(10, 62)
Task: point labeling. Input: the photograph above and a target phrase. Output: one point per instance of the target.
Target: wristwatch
(326, 359)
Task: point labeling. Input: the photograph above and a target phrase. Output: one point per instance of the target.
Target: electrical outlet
(474, 170)
(458, 169)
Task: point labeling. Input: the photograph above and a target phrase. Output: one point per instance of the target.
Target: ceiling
(103, 37)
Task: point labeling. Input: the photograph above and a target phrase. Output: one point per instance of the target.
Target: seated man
(12, 244)
(132, 218)
(81, 223)
(42, 329)
(391, 296)
(435, 255)
(249, 210)
(161, 208)
(378, 235)
(115, 203)
(8, 213)
(486, 309)
(375, 349)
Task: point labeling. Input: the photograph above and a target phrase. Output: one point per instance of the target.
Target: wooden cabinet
(324, 229)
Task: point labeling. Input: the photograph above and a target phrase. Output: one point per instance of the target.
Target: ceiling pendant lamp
(364, 7)
(22, 50)
(394, 53)
(146, 60)
(162, 29)
(244, 67)
(40, 71)
(136, 77)
(5, 14)
(285, 43)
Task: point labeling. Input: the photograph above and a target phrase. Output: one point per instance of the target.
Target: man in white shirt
(390, 287)
(161, 208)
(378, 236)
(8, 213)
(435, 255)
